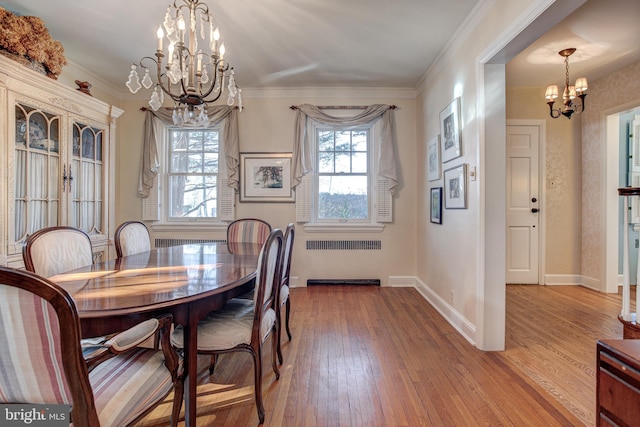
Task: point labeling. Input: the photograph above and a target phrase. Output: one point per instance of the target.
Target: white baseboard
(562, 279)
(451, 315)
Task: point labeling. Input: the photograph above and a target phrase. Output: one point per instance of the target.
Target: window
(343, 175)
(192, 175)
(344, 190)
(191, 185)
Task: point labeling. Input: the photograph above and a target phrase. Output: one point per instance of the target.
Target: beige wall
(562, 205)
(266, 125)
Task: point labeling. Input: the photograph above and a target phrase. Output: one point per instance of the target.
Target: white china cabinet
(57, 162)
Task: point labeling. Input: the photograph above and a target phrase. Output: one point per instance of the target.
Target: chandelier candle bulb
(160, 35)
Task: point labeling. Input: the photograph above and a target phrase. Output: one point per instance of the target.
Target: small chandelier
(570, 92)
(194, 74)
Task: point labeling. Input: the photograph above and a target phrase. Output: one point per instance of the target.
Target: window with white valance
(175, 156)
(344, 159)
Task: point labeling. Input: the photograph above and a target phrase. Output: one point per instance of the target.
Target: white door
(523, 204)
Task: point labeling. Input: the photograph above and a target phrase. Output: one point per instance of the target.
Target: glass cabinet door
(37, 160)
(86, 180)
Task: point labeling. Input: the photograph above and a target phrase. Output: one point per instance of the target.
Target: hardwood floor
(377, 356)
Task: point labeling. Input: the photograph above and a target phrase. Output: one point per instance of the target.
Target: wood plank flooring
(378, 356)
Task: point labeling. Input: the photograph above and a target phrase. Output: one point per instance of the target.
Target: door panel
(522, 204)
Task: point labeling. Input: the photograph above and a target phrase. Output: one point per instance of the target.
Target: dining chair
(41, 360)
(248, 230)
(132, 237)
(245, 325)
(285, 301)
(54, 250)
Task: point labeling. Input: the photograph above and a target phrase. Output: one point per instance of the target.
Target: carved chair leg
(287, 311)
(257, 370)
(178, 396)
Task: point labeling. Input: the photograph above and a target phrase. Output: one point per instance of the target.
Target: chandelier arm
(554, 113)
(218, 74)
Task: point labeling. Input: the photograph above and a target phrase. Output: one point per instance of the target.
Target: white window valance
(302, 148)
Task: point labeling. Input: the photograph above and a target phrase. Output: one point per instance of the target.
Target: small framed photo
(436, 205)
(265, 177)
(433, 159)
(455, 187)
(450, 131)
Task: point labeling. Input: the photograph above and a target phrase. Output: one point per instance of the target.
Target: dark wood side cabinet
(618, 383)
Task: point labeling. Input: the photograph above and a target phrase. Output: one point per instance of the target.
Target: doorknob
(534, 200)
(535, 210)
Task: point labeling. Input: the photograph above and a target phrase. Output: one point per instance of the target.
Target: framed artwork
(450, 131)
(455, 187)
(265, 177)
(433, 159)
(436, 205)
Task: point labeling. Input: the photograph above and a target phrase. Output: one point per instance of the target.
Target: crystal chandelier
(195, 72)
(570, 92)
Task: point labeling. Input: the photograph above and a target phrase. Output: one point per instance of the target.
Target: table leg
(191, 371)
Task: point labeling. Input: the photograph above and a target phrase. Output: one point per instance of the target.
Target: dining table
(188, 281)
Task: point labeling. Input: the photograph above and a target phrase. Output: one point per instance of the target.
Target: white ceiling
(323, 43)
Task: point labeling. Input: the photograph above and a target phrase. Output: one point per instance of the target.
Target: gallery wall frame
(450, 134)
(455, 187)
(436, 205)
(433, 158)
(265, 177)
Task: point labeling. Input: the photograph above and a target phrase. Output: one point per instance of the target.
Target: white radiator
(165, 243)
(344, 245)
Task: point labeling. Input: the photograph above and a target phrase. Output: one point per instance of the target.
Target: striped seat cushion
(127, 385)
(31, 368)
(228, 327)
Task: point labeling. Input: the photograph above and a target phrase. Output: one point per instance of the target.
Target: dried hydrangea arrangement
(27, 36)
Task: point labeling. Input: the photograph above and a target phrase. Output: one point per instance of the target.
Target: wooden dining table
(187, 281)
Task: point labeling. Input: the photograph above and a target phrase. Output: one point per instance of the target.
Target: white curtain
(302, 149)
(230, 142)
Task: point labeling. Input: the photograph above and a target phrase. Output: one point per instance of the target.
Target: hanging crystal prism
(174, 73)
(204, 79)
(133, 83)
(239, 99)
(203, 119)
(146, 80)
(168, 23)
(154, 102)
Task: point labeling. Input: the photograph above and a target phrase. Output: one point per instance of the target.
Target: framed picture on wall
(433, 159)
(265, 177)
(436, 205)
(450, 131)
(455, 187)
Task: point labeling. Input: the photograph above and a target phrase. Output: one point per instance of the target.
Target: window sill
(343, 228)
